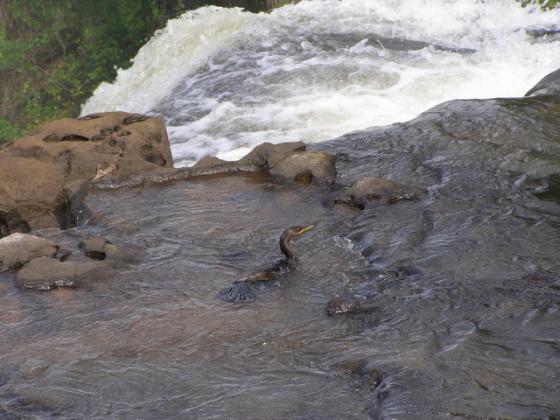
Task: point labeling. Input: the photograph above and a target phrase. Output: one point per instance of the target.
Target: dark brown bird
(241, 291)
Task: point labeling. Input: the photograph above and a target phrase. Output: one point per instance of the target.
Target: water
(226, 80)
(467, 278)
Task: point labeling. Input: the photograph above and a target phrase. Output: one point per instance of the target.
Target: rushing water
(466, 278)
(226, 80)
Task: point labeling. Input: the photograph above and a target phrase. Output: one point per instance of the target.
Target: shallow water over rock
(466, 279)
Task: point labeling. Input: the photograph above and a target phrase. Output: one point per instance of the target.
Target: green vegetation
(550, 3)
(546, 4)
(54, 53)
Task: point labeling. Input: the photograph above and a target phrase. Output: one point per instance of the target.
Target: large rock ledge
(288, 163)
(40, 173)
(548, 85)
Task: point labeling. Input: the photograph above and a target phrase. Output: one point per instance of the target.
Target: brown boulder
(47, 273)
(263, 156)
(287, 161)
(209, 162)
(268, 155)
(306, 167)
(35, 169)
(19, 248)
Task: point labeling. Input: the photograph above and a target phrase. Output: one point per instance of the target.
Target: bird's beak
(305, 229)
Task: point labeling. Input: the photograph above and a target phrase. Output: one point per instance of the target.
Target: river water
(466, 278)
(226, 80)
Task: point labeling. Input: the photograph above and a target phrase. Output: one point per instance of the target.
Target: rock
(371, 377)
(361, 369)
(63, 254)
(339, 306)
(33, 368)
(10, 222)
(264, 156)
(549, 85)
(209, 162)
(287, 161)
(306, 167)
(268, 155)
(35, 169)
(372, 189)
(18, 249)
(47, 273)
(124, 253)
(94, 247)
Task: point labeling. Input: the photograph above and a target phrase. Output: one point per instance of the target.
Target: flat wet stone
(19, 248)
(47, 273)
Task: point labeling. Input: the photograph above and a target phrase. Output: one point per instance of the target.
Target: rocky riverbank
(435, 255)
(48, 173)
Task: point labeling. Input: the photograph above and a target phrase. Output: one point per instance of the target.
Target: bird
(241, 291)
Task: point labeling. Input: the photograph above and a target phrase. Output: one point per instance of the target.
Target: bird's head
(297, 231)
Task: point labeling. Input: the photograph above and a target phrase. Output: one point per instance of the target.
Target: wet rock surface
(265, 156)
(19, 248)
(287, 162)
(362, 371)
(370, 189)
(549, 85)
(94, 248)
(340, 306)
(268, 155)
(305, 168)
(47, 273)
(457, 283)
(35, 169)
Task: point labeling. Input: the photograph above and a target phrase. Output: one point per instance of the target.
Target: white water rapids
(226, 80)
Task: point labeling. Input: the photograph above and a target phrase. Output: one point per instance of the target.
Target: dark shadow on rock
(548, 85)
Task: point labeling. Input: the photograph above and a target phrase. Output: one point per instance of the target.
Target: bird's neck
(284, 247)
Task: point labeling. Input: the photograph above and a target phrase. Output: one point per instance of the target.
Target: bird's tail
(240, 292)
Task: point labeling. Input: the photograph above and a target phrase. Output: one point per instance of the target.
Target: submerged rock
(361, 369)
(94, 247)
(372, 189)
(47, 273)
(18, 249)
(339, 306)
(548, 85)
(35, 169)
(123, 253)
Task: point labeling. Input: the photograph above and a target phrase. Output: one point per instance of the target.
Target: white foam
(226, 80)
(183, 45)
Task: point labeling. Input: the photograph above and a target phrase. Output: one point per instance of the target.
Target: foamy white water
(225, 80)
